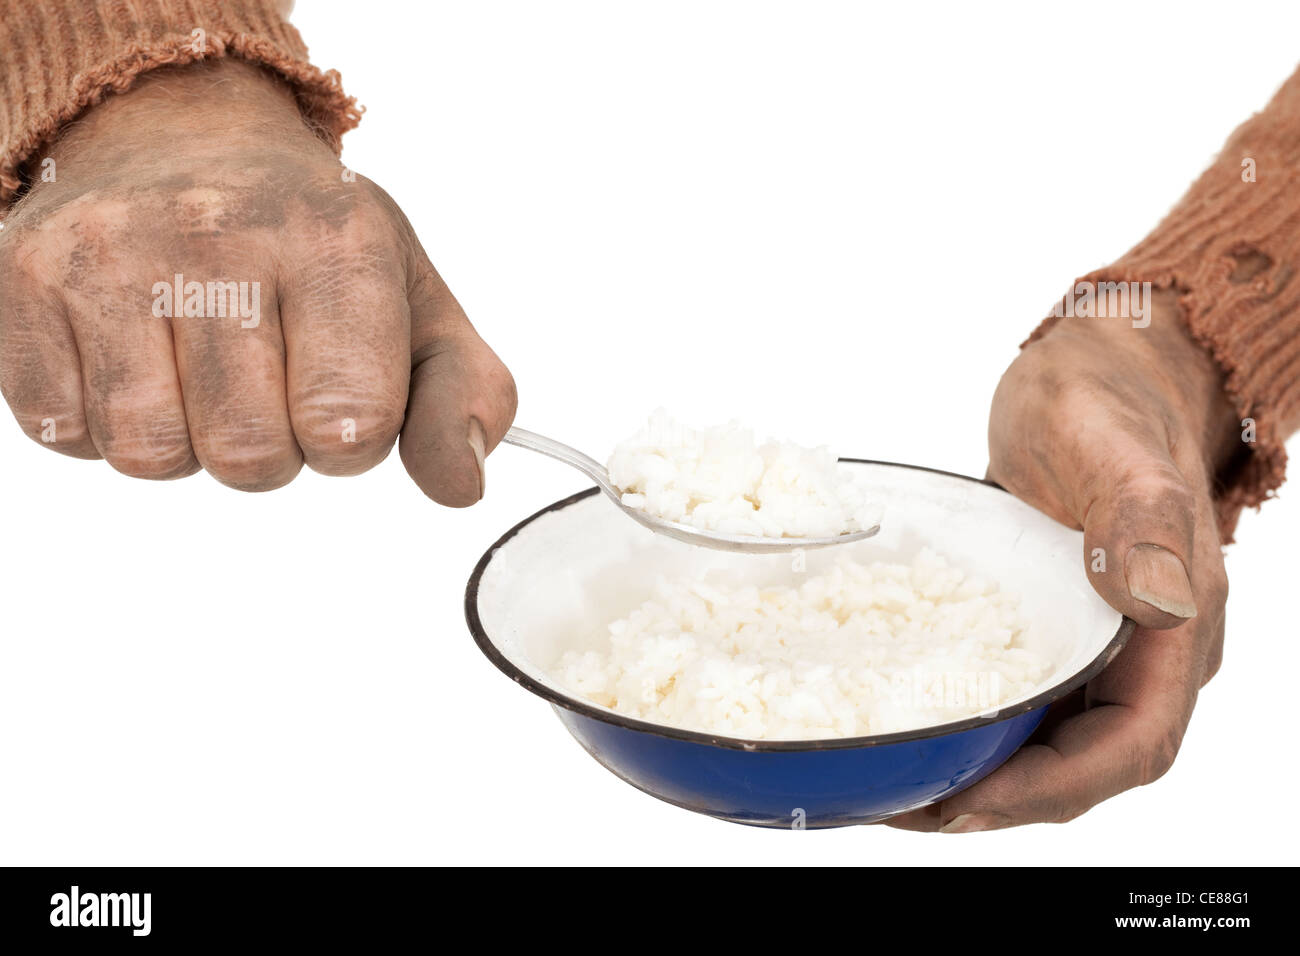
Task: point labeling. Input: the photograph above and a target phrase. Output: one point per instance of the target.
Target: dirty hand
(193, 281)
(1117, 431)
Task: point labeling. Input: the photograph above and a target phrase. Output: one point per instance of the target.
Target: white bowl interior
(557, 584)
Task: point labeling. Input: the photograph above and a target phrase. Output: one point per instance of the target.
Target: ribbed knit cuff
(1231, 249)
(61, 56)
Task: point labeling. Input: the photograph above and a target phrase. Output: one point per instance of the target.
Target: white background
(834, 220)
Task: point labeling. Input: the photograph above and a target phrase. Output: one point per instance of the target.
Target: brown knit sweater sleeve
(1231, 248)
(58, 57)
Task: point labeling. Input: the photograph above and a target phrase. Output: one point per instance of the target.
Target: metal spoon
(750, 544)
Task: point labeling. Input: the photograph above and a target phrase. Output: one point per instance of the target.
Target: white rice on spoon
(719, 479)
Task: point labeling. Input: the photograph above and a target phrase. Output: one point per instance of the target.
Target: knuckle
(1158, 756)
(35, 390)
(1058, 810)
(249, 465)
(27, 395)
(347, 435)
(89, 214)
(201, 211)
(1213, 662)
(1158, 486)
(501, 384)
(16, 252)
(150, 461)
(1152, 497)
(376, 195)
(358, 214)
(141, 447)
(26, 265)
(59, 430)
(373, 226)
(1076, 401)
(44, 399)
(74, 245)
(1069, 812)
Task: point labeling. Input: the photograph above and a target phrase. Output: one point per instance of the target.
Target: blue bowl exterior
(832, 788)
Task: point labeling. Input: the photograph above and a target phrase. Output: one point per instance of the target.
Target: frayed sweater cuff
(62, 56)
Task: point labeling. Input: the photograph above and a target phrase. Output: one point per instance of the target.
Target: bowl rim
(595, 712)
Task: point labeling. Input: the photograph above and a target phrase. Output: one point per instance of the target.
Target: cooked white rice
(862, 649)
(719, 479)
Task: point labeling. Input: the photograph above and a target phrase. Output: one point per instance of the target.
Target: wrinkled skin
(209, 171)
(1118, 432)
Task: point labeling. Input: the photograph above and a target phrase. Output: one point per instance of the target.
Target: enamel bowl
(554, 581)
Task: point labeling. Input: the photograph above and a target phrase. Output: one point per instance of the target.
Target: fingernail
(975, 822)
(478, 442)
(1157, 577)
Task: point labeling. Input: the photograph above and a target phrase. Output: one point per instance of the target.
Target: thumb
(462, 398)
(1138, 532)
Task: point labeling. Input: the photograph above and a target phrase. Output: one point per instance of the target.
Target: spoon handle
(562, 452)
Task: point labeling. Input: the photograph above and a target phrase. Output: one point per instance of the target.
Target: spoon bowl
(743, 543)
